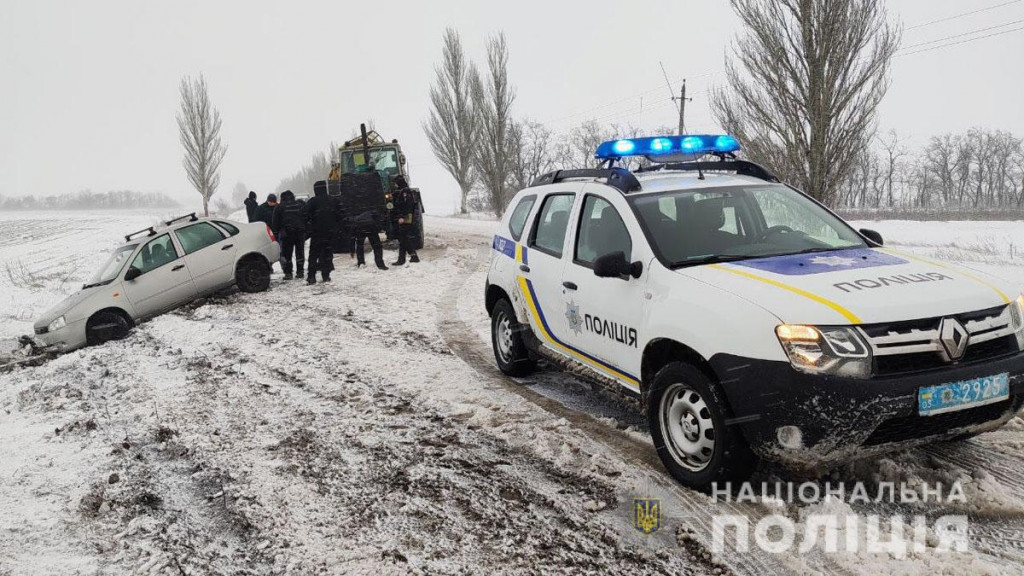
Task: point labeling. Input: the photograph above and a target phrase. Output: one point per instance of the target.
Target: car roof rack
(740, 167)
(619, 178)
(150, 232)
(192, 218)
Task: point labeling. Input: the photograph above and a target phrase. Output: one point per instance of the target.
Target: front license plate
(962, 395)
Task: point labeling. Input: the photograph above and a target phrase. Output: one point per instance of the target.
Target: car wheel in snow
(105, 326)
(253, 276)
(687, 424)
(509, 350)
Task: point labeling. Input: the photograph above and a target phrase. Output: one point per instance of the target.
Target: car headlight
(1017, 318)
(56, 324)
(826, 350)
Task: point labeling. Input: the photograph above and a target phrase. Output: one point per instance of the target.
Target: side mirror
(132, 274)
(873, 236)
(615, 265)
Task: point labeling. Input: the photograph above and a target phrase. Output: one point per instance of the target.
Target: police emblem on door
(572, 314)
(646, 515)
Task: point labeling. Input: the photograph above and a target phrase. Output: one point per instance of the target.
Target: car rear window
(517, 221)
(231, 228)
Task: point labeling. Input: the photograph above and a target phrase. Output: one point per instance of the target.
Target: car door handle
(524, 268)
(229, 246)
(178, 267)
(569, 285)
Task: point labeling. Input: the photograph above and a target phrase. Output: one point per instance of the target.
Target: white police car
(750, 319)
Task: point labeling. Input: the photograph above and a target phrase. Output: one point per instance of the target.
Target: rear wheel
(510, 351)
(253, 275)
(686, 416)
(105, 326)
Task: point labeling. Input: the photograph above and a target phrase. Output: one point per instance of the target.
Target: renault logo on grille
(954, 338)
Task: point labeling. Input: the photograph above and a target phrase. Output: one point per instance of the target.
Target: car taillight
(271, 234)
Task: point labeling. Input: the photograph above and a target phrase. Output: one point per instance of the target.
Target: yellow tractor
(347, 178)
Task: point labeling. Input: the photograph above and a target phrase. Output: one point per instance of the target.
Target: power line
(900, 52)
(972, 32)
(962, 41)
(954, 17)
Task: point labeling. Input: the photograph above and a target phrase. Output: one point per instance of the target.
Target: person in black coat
(405, 209)
(323, 219)
(289, 225)
(367, 226)
(251, 206)
(265, 212)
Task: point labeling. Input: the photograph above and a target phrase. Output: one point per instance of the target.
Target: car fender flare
(249, 257)
(116, 310)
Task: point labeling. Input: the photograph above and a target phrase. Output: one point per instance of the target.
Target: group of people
(323, 221)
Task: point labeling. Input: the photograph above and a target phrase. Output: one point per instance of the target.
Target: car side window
(517, 221)
(155, 253)
(198, 236)
(601, 231)
(230, 228)
(548, 233)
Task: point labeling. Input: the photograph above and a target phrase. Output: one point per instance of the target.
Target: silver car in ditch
(159, 269)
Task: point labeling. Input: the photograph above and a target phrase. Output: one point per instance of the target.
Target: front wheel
(686, 416)
(510, 351)
(106, 326)
(253, 275)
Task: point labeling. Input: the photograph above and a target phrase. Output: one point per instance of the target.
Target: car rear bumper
(841, 418)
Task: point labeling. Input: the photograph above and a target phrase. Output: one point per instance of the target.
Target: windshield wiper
(713, 259)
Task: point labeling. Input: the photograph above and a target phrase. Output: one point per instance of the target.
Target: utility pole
(682, 107)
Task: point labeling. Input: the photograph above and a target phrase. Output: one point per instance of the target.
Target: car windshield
(114, 264)
(690, 227)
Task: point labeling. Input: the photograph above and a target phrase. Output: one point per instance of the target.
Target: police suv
(749, 319)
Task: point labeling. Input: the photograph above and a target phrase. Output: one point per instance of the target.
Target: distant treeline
(947, 214)
(86, 200)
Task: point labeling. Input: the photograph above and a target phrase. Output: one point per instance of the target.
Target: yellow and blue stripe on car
(520, 254)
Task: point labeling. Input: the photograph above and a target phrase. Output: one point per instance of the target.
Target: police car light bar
(696, 145)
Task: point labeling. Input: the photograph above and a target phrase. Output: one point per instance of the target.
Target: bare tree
(318, 168)
(894, 152)
(493, 99)
(533, 153)
(452, 126)
(804, 85)
(199, 131)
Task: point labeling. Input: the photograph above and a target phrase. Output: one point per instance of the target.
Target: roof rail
(150, 230)
(192, 218)
(740, 167)
(619, 178)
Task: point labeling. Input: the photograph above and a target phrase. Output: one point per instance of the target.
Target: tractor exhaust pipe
(366, 145)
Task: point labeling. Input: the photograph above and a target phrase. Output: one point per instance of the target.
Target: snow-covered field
(359, 427)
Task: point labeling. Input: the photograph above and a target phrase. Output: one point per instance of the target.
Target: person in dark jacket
(289, 225)
(251, 206)
(367, 225)
(323, 219)
(265, 213)
(405, 207)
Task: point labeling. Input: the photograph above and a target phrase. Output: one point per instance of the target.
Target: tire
(686, 416)
(252, 275)
(510, 351)
(105, 326)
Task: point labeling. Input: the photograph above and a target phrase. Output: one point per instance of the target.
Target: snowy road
(360, 427)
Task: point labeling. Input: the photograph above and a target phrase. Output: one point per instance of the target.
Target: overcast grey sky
(89, 89)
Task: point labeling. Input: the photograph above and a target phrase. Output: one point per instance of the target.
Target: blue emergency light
(668, 145)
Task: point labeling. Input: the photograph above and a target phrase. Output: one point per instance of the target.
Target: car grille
(41, 330)
(914, 346)
(914, 427)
